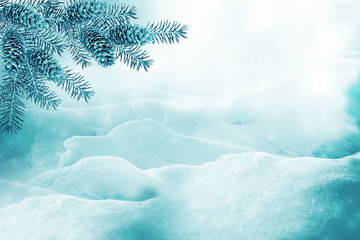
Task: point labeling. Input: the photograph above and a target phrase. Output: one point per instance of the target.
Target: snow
(249, 129)
(155, 146)
(66, 217)
(99, 178)
(239, 196)
(253, 195)
(12, 193)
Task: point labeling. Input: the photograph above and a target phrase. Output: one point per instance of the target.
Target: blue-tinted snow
(218, 141)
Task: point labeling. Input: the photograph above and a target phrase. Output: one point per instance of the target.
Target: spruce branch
(76, 86)
(40, 94)
(23, 16)
(4, 2)
(56, 25)
(36, 90)
(168, 32)
(115, 15)
(33, 31)
(101, 48)
(45, 65)
(78, 53)
(79, 11)
(31, 2)
(131, 35)
(13, 52)
(46, 40)
(4, 27)
(134, 57)
(49, 8)
(12, 111)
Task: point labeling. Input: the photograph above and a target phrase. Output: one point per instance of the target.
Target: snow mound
(99, 178)
(256, 196)
(147, 144)
(65, 217)
(240, 196)
(12, 193)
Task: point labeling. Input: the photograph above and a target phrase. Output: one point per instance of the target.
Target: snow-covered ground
(246, 130)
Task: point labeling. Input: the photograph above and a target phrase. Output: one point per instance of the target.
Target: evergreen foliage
(34, 33)
(101, 49)
(22, 16)
(13, 52)
(131, 35)
(43, 64)
(81, 11)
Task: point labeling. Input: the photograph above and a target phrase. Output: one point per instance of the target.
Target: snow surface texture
(236, 197)
(221, 140)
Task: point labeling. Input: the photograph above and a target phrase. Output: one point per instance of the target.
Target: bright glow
(262, 14)
(327, 43)
(320, 81)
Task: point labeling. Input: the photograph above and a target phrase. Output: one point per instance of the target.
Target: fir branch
(76, 86)
(115, 15)
(168, 32)
(79, 11)
(45, 40)
(4, 2)
(56, 24)
(36, 90)
(50, 8)
(77, 51)
(134, 57)
(73, 83)
(100, 47)
(131, 35)
(12, 109)
(53, 11)
(32, 31)
(23, 16)
(4, 27)
(45, 65)
(31, 2)
(13, 52)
